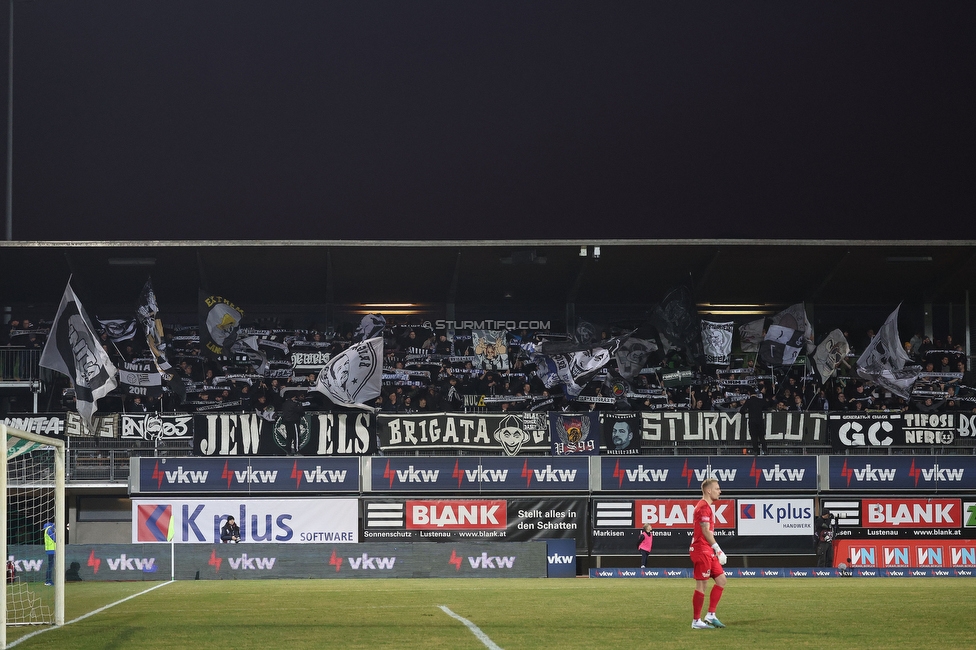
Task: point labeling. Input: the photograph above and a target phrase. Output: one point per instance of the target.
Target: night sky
(307, 119)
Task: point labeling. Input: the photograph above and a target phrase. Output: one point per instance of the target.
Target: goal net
(32, 482)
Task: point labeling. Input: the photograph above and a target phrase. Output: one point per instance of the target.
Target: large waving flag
(220, 321)
(632, 355)
(255, 355)
(829, 354)
(369, 327)
(573, 369)
(678, 324)
(354, 376)
(781, 346)
(152, 327)
(74, 349)
(793, 318)
(118, 329)
(883, 362)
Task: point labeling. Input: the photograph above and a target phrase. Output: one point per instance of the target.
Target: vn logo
(863, 556)
(365, 562)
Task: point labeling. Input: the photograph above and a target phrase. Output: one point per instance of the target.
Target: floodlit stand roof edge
(469, 243)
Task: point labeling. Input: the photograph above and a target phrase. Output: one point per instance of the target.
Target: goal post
(32, 472)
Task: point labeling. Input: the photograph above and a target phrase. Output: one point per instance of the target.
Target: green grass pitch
(514, 613)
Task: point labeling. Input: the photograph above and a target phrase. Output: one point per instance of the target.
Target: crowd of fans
(428, 371)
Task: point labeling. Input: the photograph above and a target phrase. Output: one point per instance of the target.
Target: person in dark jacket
(230, 532)
(292, 413)
(753, 409)
(826, 528)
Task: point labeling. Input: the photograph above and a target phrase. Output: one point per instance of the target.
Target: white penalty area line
(475, 630)
(91, 613)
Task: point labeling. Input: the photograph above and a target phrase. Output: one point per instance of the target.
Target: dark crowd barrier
(108, 562)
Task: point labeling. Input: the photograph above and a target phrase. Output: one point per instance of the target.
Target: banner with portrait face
(621, 433)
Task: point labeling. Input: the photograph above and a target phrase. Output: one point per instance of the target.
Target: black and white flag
(632, 355)
(74, 349)
(354, 376)
(249, 347)
(117, 329)
(220, 320)
(370, 326)
(152, 327)
(829, 354)
(883, 362)
(793, 317)
(678, 324)
(717, 342)
(141, 377)
(575, 369)
(781, 346)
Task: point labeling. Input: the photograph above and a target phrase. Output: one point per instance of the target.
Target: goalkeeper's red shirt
(703, 513)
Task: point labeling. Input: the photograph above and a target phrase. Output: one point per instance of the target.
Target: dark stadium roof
(483, 279)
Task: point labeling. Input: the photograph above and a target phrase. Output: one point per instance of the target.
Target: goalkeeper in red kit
(707, 557)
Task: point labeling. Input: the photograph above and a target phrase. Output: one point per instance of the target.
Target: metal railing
(19, 364)
(93, 460)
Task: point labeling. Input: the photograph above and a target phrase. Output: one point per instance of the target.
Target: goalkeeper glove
(722, 557)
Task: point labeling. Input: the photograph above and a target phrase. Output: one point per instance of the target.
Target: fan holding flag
(354, 376)
(74, 349)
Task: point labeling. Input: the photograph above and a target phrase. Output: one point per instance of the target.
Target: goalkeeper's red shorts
(706, 564)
